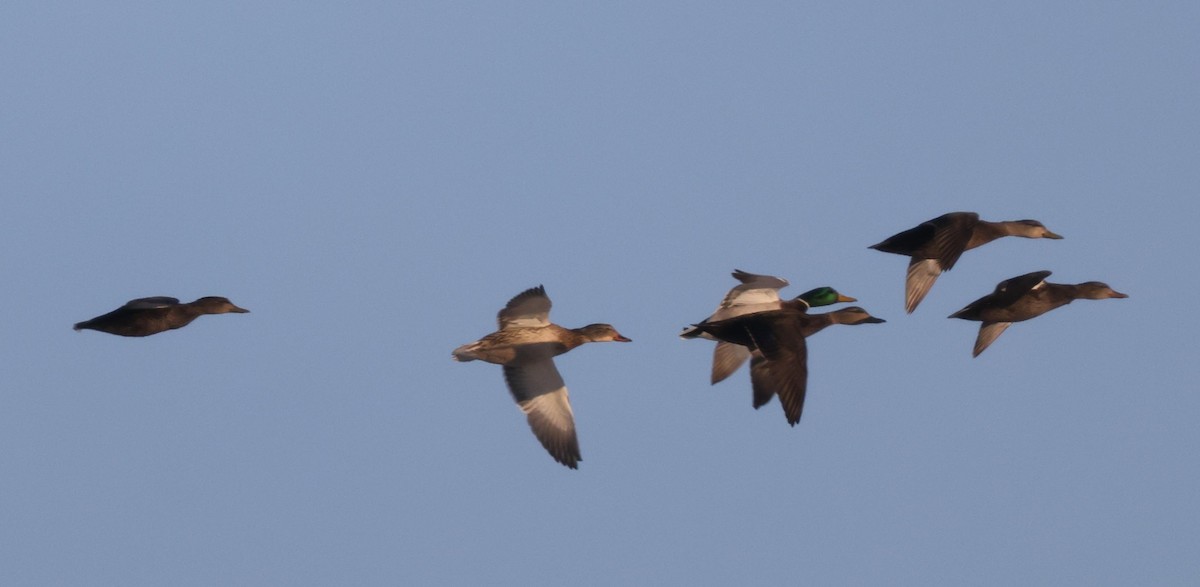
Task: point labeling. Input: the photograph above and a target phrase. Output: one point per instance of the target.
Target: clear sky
(375, 180)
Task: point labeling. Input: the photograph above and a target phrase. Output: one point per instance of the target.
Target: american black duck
(146, 316)
(1024, 297)
(935, 246)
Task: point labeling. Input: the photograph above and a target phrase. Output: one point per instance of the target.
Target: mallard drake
(1024, 297)
(525, 345)
(760, 376)
(757, 293)
(146, 316)
(935, 246)
(780, 336)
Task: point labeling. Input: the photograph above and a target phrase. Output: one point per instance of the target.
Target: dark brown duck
(760, 370)
(779, 336)
(1024, 297)
(935, 246)
(146, 316)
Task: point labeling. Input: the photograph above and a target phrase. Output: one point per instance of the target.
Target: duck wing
(151, 303)
(528, 309)
(951, 233)
(760, 380)
(1007, 293)
(785, 355)
(727, 357)
(754, 292)
(988, 333)
(757, 293)
(541, 394)
(921, 275)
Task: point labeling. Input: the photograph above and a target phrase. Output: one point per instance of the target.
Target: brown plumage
(526, 345)
(935, 246)
(760, 371)
(779, 335)
(1024, 297)
(757, 293)
(146, 316)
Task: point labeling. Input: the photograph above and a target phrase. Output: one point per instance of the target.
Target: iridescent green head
(823, 296)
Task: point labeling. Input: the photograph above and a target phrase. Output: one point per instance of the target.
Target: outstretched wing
(541, 394)
(988, 333)
(528, 309)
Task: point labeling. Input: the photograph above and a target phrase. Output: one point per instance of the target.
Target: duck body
(935, 246)
(525, 345)
(778, 337)
(757, 293)
(1025, 297)
(147, 316)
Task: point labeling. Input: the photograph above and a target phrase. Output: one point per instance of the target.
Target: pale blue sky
(374, 181)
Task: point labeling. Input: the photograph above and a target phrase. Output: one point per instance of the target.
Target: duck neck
(574, 337)
(986, 232)
(190, 311)
(818, 322)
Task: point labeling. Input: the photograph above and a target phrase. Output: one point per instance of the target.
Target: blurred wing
(530, 308)
(540, 392)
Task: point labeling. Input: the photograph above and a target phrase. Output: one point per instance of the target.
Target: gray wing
(530, 308)
(727, 357)
(988, 333)
(921, 275)
(541, 394)
(150, 303)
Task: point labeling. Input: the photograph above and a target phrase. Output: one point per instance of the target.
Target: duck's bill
(237, 310)
(874, 320)
(844, 298)
(620, 338)
(1117, 294)
(1052, 235)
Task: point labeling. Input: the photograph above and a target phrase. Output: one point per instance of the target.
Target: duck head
(823, 296)
(1095, 290)
(217, 305)
(602, 333)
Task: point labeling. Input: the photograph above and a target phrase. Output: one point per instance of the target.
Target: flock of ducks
(752, 323)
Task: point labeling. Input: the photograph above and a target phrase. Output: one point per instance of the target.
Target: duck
(525, 345)
(779, 335)
(935, 246)
(760, 377)
(1024, 297)
(147, 316)
(757, 293)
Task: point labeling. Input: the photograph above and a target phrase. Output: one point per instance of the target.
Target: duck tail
(464, 353)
